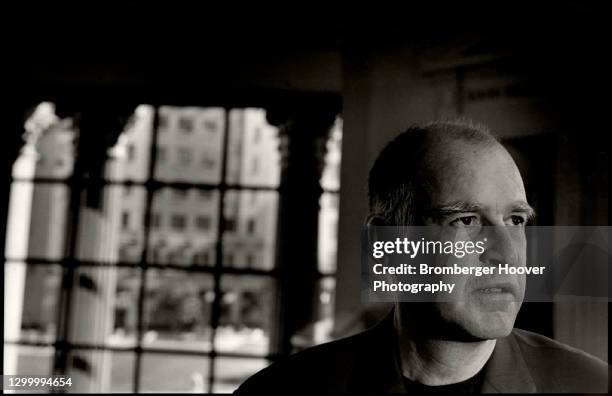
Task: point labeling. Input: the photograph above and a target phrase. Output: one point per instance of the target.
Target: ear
(371, 234)
(374, 220)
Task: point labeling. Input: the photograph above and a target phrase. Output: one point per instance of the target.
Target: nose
(500, 247)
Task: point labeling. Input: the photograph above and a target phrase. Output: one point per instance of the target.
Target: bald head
(420, 162)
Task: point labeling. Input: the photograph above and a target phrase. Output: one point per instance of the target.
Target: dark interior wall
(382, 93)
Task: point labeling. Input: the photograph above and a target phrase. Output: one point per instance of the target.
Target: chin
(490, 330)
(489, 325)
(473, 323)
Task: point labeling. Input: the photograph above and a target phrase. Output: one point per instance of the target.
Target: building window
(180, 194)
(251, 226)
(208, 162)
(210, 126)
(163, 122)
(206, 195)
(201, 258)
(185, 124)
(203, 223)
(250, 261)
(230, 224)
(178, 222)
(125, 220)
(184, 156)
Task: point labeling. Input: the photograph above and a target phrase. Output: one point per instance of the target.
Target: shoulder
(556, 365)
(325, 366)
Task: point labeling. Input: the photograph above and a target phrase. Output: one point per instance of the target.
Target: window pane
(122, 372)
(330, 179)
(111, 224)
(37, 221)
(48, 223)
(174, 373)
(184, 227)
(328, 232)
(125, 308)
(177, 310)
(101, 371)
(191, 141)
(250, 229)
(30, 360)
(246, 314)
(95, 308)
(253, 149)
(124, 213)
(231, 372)
(30, 310)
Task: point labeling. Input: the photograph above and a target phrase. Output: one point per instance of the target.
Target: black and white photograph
(247, 200)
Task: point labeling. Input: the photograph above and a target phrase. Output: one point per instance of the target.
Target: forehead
(472, 172)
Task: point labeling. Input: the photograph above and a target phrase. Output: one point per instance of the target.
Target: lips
(497, 288)
(491, 290)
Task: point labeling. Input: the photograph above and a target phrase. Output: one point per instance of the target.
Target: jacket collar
(506, 370)
(377, 366)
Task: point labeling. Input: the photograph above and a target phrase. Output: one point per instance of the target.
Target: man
(452, 174)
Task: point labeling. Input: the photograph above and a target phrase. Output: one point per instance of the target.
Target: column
(303, 132)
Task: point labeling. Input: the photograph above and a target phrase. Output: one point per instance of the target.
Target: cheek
(518, 245)
(522, 281)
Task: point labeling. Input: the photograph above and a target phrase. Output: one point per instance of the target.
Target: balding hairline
(392, 195)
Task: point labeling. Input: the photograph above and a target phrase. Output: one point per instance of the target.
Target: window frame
(69, 264)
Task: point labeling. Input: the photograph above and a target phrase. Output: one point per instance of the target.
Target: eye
(517, 220)
(465, 221)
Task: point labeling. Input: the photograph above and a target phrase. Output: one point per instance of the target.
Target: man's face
(478, 189)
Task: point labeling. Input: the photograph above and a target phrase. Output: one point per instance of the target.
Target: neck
(435, 362)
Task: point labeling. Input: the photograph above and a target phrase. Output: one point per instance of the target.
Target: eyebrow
(522, 206)
(463, 206)
(444, 210)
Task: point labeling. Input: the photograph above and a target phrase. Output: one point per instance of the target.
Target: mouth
(489, 290)
(497, 289)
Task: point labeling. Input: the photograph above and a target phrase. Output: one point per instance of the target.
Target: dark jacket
(368, 363)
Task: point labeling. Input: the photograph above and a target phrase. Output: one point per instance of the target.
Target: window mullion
(215, 312)
(151, 188)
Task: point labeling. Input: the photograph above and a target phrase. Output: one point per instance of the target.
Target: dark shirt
(470, 385)
(368, 362)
